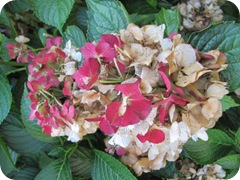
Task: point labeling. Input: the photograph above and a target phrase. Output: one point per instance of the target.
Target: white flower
(22, 39)
(201, 134)
(72, 131)
(71, 50)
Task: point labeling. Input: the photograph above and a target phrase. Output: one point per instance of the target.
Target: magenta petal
(106, 127)
(120, 151)
(89, 51)
(178, 100)
(156, 136)
(112, 111)
(95, 119)
(111, 39)
(165, 80)
(143, 138)
(105, 52)
(141, 106)
(129, 118)
(129, 89)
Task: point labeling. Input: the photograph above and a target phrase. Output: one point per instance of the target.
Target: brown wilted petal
(212, 109)
(141, 55)
(217, 90)
(184, 55)
(153, 34)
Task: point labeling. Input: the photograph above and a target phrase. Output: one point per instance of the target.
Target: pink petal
(106, 127)
(140, 105)
(143, 138)
(112, 111)
(165, 80)
(111, 40)
(89, 51)
(129, 118)
(57, 41)
(178, 100)
(105, 52)
(129, 89)
(120, 151)
(156, 136)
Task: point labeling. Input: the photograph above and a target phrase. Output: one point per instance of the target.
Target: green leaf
(170, 18)
(4, 19)
(230, 118)
(18, 138)
(226, 38)
(142, 19)
(27, 173)
(76, 36)
(44, 160)
(105, 16)
(138, 7)
(4, 52)
(81, 162)
(6, 162)
(169, 171)
(42, 37)
(206, 152)
(57, 170)
(228, 102)
(18, 6)
(31, 125)
(230, 161)
(54, 13)
(232, 173)
(82, 18)
(5, 96)
(107, 167)
(237, 137)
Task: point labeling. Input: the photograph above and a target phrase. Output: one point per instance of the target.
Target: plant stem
(12, 63)
(118, 70)
(16, 70)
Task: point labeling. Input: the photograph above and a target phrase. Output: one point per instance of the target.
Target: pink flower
(153, 136)
(87, 74)
(134, 108)
(45, 58)
(13, 50)
(102, 50)
(170, 95)
(104, 124)
(57, 41)
(43, 79)
(67, 88)
(112, 40)
(26, 57)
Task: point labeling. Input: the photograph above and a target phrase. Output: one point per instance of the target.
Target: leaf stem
(10, 63)
(16, 70)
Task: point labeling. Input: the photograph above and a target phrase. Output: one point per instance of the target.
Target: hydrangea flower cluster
(148, 94)
(197, 14)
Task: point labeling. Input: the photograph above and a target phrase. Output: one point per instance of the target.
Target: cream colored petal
(216, 90)
(184, 55)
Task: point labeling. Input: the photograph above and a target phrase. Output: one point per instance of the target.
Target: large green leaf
(107, 167)
(18, 138)
(54, 13)
(6, 162)
(228, 102)
(170, 18)
(226, 38)
(31, 126)
(18, 6)
(230, 118)
(57, 170)
(5, 97)
(76, 36)
(230, 161)
(206, 152)
(27, 173)
(105, 16)
(81, 162)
